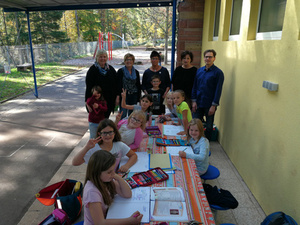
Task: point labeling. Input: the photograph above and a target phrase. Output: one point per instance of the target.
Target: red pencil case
(147, 178)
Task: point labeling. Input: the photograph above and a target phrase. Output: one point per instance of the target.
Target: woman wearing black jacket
(129, 80)
(105, 76)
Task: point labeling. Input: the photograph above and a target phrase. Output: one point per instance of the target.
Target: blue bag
(279, 218)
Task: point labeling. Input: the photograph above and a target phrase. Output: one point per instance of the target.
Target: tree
(45, 27)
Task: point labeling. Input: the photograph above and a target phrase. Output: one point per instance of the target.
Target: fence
(16, 55)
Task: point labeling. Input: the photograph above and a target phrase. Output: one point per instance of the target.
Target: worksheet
(125, 207)
(141, 165)
(172, 130)
(174, 150)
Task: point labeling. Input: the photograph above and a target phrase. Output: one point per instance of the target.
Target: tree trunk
(77, 25)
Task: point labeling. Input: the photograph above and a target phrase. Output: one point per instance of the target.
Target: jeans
(209, 120)
(93, 129)
(131, 99)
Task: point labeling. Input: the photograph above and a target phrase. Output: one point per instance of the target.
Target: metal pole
(32, 57)
(173, 37)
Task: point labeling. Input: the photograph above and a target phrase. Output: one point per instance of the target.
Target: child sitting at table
(108, 139)
(145, 105)
(131, 129)
(97, 107)
(101, 185)
(183, 111)
(200, 146)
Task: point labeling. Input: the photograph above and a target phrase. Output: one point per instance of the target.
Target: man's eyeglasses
(135, 120)
(109, 133)
(129, 60)
(208, 57)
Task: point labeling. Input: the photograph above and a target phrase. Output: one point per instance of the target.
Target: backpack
(278, 218)
(65, 195)
(220, 197)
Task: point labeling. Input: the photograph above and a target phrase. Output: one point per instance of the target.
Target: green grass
(19, 82)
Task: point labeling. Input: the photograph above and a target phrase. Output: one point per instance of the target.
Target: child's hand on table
(123, 169)
(181, 133)
(136, 217)
(182, 154)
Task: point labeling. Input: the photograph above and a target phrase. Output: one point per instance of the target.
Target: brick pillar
(190, 26)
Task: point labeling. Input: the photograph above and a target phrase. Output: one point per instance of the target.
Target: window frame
(271, 35)
(215, 38)
(235, 37)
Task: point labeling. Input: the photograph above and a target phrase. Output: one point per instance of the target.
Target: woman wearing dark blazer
(105, 76)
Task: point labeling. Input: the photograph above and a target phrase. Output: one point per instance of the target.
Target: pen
(125, 173)
(136, 215)
(184, 149)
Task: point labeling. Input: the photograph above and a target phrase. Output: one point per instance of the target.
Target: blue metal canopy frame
(97, 6)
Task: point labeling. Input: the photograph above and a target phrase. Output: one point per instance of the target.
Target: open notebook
(155, 203)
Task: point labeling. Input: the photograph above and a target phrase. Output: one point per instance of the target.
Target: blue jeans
(209, 120)
(131, 99)
(93, 129)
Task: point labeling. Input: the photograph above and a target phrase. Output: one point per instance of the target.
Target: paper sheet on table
(163, 161)
(141, 165)
(172, 130)
(173, 150)
(125, 207)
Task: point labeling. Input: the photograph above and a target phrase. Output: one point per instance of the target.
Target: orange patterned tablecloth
(186, 177)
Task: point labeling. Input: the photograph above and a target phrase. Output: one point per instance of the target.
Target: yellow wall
(260, 129)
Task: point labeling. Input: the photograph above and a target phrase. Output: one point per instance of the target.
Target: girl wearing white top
(108, 139)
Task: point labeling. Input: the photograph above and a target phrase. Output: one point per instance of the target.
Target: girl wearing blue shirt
(199, 144)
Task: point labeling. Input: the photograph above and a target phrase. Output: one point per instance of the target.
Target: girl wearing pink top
(132, 129)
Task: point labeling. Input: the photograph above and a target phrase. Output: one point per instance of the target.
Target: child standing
(157, 96)
(183, 110)
(101, 185)
(131, 129)
(108, 139)
(145, 105)
(199, 144)
(97, 108)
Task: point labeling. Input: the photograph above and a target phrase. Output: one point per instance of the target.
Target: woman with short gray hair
(129, 80)
(105, 76)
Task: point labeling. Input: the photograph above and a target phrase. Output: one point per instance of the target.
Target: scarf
(101, 70)
(127, 74)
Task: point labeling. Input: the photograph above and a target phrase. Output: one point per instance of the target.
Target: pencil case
(147, 178)
(171, 142)
(153, 131)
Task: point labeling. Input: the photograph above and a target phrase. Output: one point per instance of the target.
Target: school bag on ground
(279, 218)
(220, 197)
(65, 195)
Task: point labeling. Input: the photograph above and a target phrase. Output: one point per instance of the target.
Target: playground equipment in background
(101, 44)
(108, 43)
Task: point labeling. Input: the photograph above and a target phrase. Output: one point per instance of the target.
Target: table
(187, 178)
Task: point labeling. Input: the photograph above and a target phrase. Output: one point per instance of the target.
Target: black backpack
(220, 197)
(278, 218)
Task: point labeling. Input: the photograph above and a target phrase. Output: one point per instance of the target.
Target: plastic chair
(227, 224)
(216, 208)
(211, 173)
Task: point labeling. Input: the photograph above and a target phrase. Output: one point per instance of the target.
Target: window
(270, 19)
(217, 20)
(236, 14)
